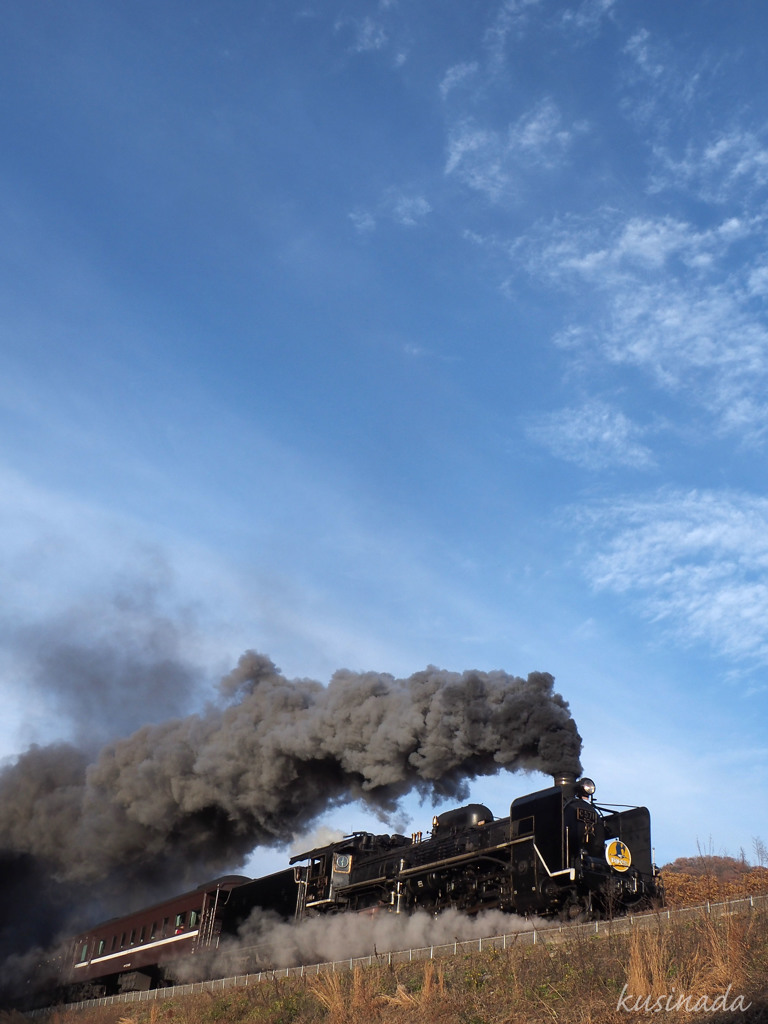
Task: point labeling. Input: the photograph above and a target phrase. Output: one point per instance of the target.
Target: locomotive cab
(544, 827)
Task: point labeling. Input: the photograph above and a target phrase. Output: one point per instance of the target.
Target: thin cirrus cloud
(511, 19)
(718, 169)
(719, 165)
(673, 301)
(660, 90)
(681, 301)
(607, 250)
(493, 162)
(458, 75)
(407, 209)
(694, 561)
(515, 18)
(703, 344)
(594, 436)
(588, 16)
(367, 33)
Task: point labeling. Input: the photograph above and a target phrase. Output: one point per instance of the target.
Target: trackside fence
(529, 935)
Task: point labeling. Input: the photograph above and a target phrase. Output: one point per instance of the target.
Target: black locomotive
(558, 853)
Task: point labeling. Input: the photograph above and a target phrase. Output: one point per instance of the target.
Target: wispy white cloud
(644, 54)
(607, 249)
(665, 92)
(671, 302)
(476, 155)
(407, 209)
(588, 16)
(696, 562)
(457, 75)
(660, 87)
(757, 281)
(492, 161)
(702, 342)
(367, 33)
(517, 19)
(728, 167)
(510, 19)
(363, 220)
(594, 436)
(539, 136)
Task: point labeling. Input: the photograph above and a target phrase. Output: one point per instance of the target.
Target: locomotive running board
(472, 855)
(342, 890)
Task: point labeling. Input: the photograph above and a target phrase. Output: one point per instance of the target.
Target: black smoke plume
(110, 662)
(176, 802)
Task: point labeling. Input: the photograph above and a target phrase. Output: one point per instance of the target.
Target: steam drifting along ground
(266, 943)
(198, 794)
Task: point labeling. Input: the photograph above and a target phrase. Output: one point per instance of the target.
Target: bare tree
(761, 851)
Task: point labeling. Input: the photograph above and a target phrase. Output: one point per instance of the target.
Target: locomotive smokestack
(564, 778)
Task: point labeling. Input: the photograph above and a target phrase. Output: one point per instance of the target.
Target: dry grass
(648, 966)
(576, 981)
(432, 990)
(703, 957)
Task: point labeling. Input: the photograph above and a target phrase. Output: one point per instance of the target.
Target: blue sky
(377, 335)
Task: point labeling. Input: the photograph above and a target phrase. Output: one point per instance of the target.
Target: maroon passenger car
(141, 950)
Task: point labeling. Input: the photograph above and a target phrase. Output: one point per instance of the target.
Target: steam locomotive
(557, 854)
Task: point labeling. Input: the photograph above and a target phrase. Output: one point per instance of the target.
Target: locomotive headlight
(587, 786)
